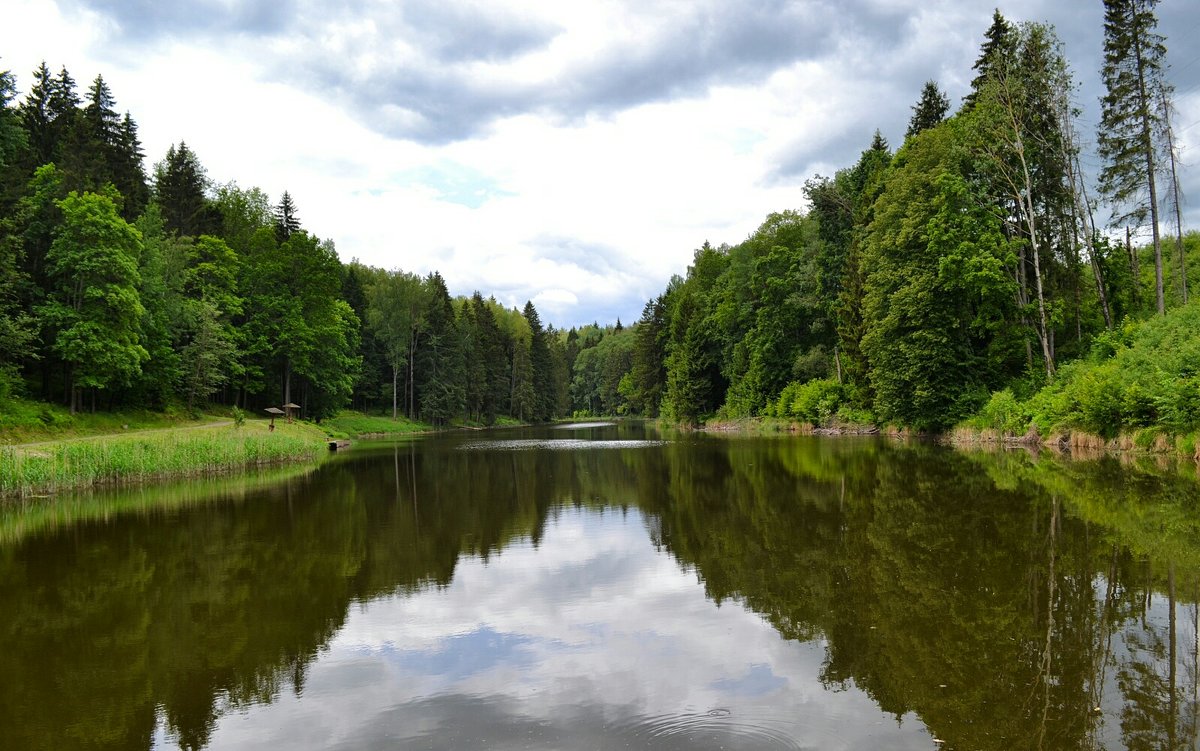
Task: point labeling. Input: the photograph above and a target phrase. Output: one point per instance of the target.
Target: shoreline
(1067, 443)
(47, 468)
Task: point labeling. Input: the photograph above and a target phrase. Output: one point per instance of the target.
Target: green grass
(355, 424)
(50, 467)
(23, 421)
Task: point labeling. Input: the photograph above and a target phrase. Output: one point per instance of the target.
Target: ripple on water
(556, 444)
(715, 728)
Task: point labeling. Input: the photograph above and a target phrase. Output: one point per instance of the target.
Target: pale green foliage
(814, 402)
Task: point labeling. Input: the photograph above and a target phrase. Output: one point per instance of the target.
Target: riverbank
(351, 424)
(49, 467)
(1148, 442)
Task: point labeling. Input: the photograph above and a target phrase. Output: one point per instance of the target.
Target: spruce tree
(542, 366)
(12, 136)
(180, 188)
(37, 117)
(929, 111)
(1131, 117)
(1000, 43)
(287, 219)
(129, 172)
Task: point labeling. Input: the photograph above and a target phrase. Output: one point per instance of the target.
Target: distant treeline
(918, 283)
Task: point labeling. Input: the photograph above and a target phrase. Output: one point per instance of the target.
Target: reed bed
(53, 467)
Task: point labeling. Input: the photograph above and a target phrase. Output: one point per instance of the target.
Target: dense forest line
(952, 277)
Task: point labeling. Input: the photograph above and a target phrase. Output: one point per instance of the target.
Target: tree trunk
(1083, 208)
(1148, 145)
(1175, 199)
(1134, 268)
(395, 381)
(287, 381)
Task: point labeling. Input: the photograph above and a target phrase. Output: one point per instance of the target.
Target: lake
(603, 586)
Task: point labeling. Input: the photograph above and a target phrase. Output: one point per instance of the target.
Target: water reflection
(694, 593)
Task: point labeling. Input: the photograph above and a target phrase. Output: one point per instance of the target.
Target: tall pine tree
(1131, 116)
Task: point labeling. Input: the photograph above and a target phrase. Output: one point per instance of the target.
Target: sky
(570, 153)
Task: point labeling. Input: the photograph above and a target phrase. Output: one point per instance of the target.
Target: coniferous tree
(181, 188)
(12, 137)
(441, 367)
(999, 43)
(1131, 118)
(541, 367)
(490, 354)
(929, 111)
(128, 170)
(287, 219)
(37, 117)
(647, 377)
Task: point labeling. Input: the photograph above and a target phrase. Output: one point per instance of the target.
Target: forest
(976, 273)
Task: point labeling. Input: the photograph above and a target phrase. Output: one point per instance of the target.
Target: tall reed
(52, 467)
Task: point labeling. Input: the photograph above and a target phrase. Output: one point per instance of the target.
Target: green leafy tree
(490, 346)
(396, 309)
(212, 303)
(843, 208)
(1018, 139)
(1132, 114)
(94, 307)
(936, 287)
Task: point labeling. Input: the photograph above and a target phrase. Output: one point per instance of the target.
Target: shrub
(1005, 413)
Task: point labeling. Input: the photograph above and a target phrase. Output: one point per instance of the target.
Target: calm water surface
(609, 587)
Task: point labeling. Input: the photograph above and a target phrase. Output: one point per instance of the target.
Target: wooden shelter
(273, 412)
(289, 407)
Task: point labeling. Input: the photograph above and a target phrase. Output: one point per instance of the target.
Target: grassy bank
(53, 466)
(23, 421)
(350, 424)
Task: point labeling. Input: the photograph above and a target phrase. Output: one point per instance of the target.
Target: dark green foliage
(180, 188)
(441, 364)
(541, 366)
(643, 386)
(1133, 112)
(999, 45)
(13, 138)
(929, 111)
(936, 287)
(287, 219)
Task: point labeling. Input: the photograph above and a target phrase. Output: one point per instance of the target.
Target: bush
(814, 402)
(1005, 414)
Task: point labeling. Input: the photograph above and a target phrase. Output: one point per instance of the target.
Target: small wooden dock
(338, 443)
